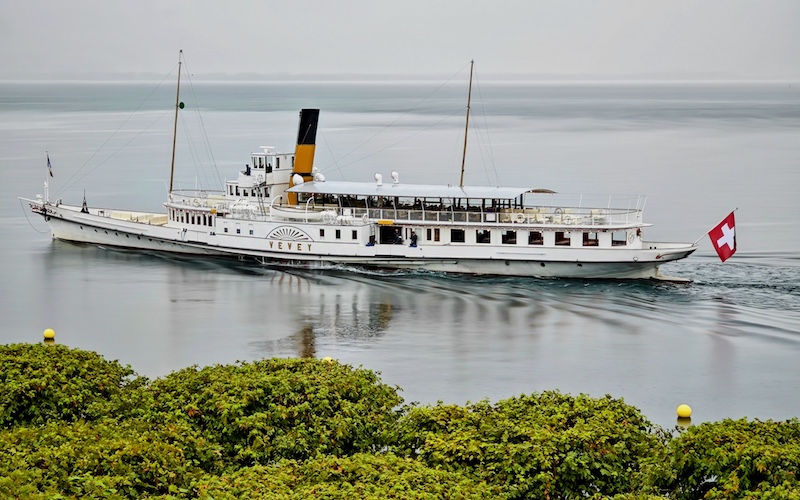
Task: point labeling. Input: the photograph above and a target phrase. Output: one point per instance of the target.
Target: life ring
(568, 219)
(630, 237)
(259, 178)
(519, 217)
(365, 218)
(195, 202)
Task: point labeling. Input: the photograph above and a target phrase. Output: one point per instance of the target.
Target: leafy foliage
(40, 383)
(732, 459)
(73, 425)
(281, 408)
(102, 459)
(358, 476)
(545, 445)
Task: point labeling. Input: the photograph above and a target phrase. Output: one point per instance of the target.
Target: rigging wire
(397, 120)
(25, 211)
(206, 142)
(488, 143)
(69, 183)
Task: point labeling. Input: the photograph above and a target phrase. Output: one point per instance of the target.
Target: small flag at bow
(723, 237)
(49, 167)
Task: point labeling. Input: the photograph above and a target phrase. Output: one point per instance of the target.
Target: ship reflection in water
(335, 314)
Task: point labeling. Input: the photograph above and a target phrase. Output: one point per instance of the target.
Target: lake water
(727, 344)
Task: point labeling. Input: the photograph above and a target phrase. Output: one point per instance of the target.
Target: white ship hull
(100, 227)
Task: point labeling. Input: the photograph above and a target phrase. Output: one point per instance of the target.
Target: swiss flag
(723, 237)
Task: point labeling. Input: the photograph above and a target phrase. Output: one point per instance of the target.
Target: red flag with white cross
(723, 237)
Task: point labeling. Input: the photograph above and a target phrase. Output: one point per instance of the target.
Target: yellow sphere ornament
(49, 334)
(684, 411)
(327, 359)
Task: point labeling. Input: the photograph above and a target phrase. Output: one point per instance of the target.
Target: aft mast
(175, 125)
(466, 128)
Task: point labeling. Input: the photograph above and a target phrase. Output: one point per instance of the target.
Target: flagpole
(712, 227)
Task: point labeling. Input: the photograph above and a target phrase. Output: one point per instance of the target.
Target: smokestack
(304, 151)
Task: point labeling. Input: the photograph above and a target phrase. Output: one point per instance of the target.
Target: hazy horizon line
(351, 77)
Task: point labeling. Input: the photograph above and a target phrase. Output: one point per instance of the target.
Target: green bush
(281, 408)
(545, 445)
(73, 425)
(41, 383)
(102, 459)
(731, 459)
(362, 476)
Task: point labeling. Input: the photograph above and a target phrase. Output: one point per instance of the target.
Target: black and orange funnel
(304, 151)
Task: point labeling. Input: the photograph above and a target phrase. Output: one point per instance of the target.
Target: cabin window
(338, 234)
(321, 233)
(457, 236)
(355, 234)
(562, 239)
(225, 230)
(483, 236)
(590, 239)
(244, 192)
(619, 238)
(429, 232)
(238, 231)
(278, 162)
(535, 238)
(509, 237)
(251, 232)
(436, 234)
(237, 190)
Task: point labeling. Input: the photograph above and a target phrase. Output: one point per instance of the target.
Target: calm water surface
(728, 344)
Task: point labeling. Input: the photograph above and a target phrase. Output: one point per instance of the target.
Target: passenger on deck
(413, 239)
(398, 240)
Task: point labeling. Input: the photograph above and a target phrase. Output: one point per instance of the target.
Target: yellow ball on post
(684, 411)
(327, 359)
(49, 334)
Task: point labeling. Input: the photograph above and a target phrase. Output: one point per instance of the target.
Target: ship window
(535, 238)
(562, 239)
(483, 236)
(238, 231)
(251, 232)
(509, 237)
(619, 238)
(436, 234)
(457, 236)
(355, 234)
(428, 232)
(321, 233)
(237, 190)
(225, 230)
(338, 234)
(244, 192)
(590, 239)
(277, 163)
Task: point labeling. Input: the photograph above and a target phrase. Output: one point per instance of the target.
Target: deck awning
(409, 190)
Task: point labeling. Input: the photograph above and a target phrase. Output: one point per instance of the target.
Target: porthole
(81, 227)
(542, 264)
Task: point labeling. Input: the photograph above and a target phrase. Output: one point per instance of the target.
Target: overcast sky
(669, 39)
